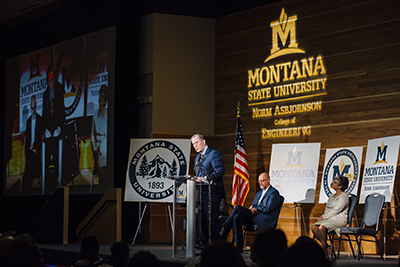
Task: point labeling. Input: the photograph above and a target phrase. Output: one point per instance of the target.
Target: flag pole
(237, 115)
(241, 184)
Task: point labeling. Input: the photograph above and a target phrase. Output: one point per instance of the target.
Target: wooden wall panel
(360, 45)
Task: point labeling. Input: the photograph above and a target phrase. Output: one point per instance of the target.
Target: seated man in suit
(263, 212)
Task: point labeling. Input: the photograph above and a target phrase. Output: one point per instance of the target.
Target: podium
(51, 163)
(190, 182)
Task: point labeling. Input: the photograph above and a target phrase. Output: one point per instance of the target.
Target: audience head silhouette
(9, 234)
(221, 254)
(268, 247)
(144, 259)
(26, 252)
(6, 243)
(90, 251)
(119, 254)
(305, 252)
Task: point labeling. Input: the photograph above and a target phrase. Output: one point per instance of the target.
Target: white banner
(380, 167)
(294, 171)
(341, 161)
(150, 161)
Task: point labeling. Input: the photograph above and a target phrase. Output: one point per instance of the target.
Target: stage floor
(67, 255)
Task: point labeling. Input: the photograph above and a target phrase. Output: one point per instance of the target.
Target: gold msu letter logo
(293, 82)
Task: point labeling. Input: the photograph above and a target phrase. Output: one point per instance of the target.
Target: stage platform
(67, 255)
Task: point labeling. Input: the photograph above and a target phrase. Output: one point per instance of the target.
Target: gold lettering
(319, 65)
(284, 132)
(250, 94)
(277, 31)
(276, 111)
(262, 113)
(264, 81)
(295, 71)
(253, 78)
(285, 70)
(307, 68)
(323, 83)
(289, 71)
(264, 133)
(274, 74)
(306, 130)
(303, 87)
(298, 108)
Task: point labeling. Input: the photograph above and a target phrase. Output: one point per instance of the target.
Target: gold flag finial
(238, 108)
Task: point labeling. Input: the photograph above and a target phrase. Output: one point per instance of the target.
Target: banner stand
(141, 218)
(296, 206)
(385, 208)
(140, 222)
(396, 206)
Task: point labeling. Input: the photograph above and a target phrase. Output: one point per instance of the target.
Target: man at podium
(53, 126)
(209, 167)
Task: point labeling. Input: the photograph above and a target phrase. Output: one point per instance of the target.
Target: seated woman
(335, 215)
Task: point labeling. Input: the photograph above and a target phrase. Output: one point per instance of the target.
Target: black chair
(224, 211)
(353, 199)
(253, 228)
(373, 207)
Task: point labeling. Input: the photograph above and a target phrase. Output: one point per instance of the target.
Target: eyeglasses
(262, 181)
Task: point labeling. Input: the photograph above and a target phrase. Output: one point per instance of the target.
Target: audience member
(89, 254)
(268, 247)
(305, 253)
(26, 252)
(144, 259)
(119, 254)
(6, 242)
(9, 234)
(221, 254)
(304, 238)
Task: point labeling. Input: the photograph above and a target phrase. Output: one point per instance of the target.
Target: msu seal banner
(340, 161)
(150, 162)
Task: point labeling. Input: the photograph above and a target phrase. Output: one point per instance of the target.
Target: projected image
(57, 117)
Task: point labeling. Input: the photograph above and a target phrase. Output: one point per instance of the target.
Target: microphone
(197, 162)
(201, 168)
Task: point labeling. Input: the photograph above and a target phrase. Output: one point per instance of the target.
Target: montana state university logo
(282, 29)
(344, 162)
(288, 84)
(381, 154)
(149, 166)
(383, 168)
(294, 158)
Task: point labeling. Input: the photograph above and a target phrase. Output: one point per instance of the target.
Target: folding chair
(353, 199)
(373, 207)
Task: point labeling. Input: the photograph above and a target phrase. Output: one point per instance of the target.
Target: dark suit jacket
(214, 167)
(38, 133)
(33, 167)
(53, 117)
(268, 210)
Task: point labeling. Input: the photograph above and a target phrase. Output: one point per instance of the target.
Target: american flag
(240, 185)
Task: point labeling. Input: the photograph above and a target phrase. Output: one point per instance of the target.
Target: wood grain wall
(360, 44)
